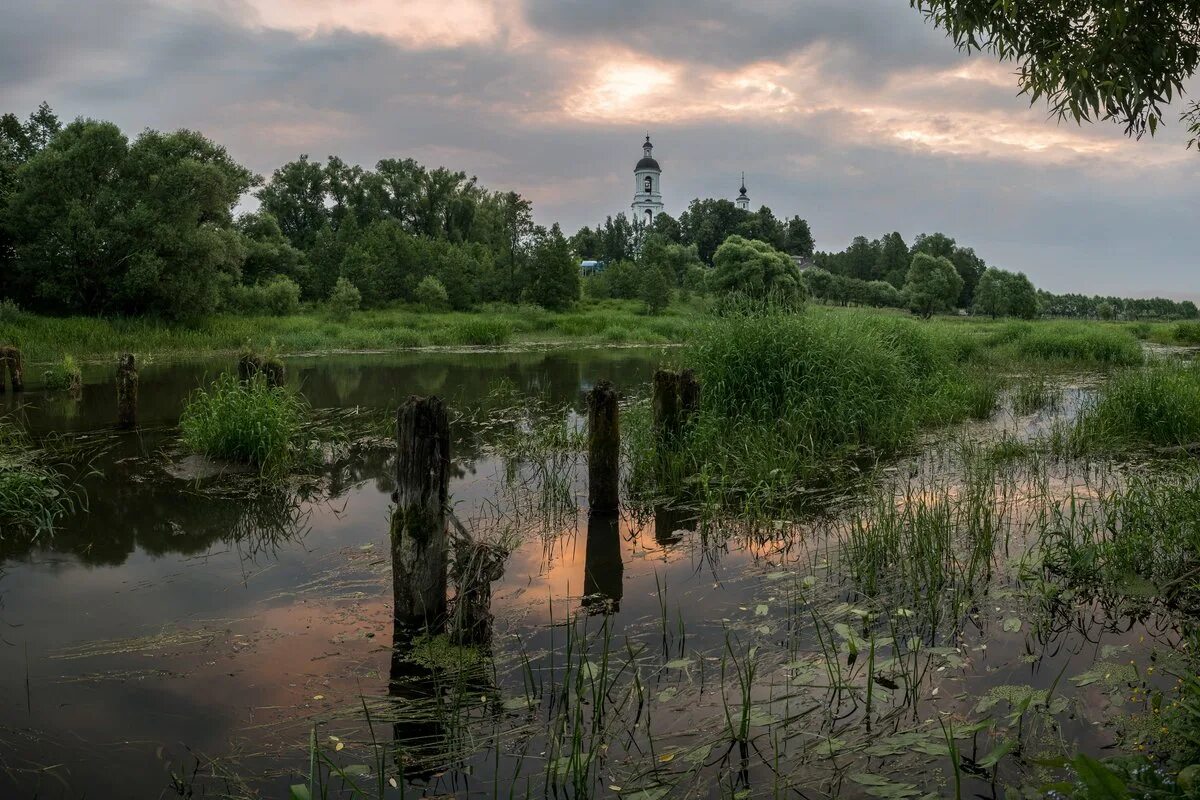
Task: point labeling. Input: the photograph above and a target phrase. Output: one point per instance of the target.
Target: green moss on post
(419, 541)
(127, 392)
(604, 449)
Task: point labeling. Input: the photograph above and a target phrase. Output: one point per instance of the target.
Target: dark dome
(647, 163)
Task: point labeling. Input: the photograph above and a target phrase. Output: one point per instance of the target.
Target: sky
(855, 114)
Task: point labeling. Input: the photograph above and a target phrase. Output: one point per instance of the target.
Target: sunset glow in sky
(852, 113)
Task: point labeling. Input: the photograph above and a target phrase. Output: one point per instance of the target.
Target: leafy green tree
(385, 263)
(1091, 59)
(763, 226)
(757, 270)
(268, 252)
(892, 265)
(676, 259)
(622, 277)
(656, 282)
(1022, 297)
(585, 243)
(431, 294)
(798, 238)
(708, 223)
(933, 285)
(102, 226)
(862, 259)
(989, 295)
(295, 197)
(1002, 293)
(667, 227)
(344, 300)
(554, 274)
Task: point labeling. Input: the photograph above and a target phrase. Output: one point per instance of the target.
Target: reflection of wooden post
(419, 520)
(604, 448)
(127, 392)
(666, 406)
(10, 358)
(603, 569)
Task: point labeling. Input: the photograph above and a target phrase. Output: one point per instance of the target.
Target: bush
(344, 300)
(757, 270)
(10, 312)
(246, 422)
(1187, 332)
(656, 288)
(277, 297)
(63, 376)
(431, 294)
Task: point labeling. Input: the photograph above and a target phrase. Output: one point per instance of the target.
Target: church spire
(743, 200)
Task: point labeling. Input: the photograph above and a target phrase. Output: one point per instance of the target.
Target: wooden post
(665, 403)
(127, 392)
(419, 542)
(604, 449)
(476, 566)
(273, 370)
(10, 357)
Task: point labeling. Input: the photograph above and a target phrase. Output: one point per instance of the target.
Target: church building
(647, 190)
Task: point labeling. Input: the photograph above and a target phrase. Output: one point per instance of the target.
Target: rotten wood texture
(419, 541)
(13, 363)
(604, 449)
(127, 392)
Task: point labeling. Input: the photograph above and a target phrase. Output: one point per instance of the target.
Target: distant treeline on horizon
(92, 222)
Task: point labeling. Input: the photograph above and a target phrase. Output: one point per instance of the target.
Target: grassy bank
(47, 339)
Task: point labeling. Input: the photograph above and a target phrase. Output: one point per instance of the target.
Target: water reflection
(603, 569)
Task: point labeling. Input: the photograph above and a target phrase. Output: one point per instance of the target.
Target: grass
(788, 400)
(1158, 406)
(249, 423)
(34, 494)
(43, 339)
(1065, 343)
(64, 376)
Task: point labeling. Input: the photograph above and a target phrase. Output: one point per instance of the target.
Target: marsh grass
(1154, 407)
(245, 422)
(34, 493)
(1072, 344)
(63, 376)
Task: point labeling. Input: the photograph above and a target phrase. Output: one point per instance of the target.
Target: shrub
(756, 270)
(431, 294)
(656, 288)
(277, 297)
(344, 300)
(246, 422)
(1187, 332)
(10, 312)
(63, 376)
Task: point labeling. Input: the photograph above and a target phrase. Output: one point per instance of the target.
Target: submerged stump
(127, 392)
(604, 449)
(476, 566)
(273, 370)
(666, 405)
(419, 541)
(13, 363)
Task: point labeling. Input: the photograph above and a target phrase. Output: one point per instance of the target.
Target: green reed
(247, 422)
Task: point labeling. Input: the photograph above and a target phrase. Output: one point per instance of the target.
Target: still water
(181, 637)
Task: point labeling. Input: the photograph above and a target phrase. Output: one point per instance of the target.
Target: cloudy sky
(854, 114)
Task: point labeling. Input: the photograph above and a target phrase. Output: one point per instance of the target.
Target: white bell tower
(743, 200)
(647, 192)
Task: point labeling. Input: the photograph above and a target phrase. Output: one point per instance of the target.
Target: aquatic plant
(34, 494)
(63, 376)
(1158, 406)
(249, 422)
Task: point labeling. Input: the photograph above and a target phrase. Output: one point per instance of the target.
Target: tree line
(93, 222)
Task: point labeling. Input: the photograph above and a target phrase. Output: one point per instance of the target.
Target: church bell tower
(647, 192)
(743, 199)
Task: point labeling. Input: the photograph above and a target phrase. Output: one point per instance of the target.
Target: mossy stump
(604, 449)
(127, 392)
(273, 370)
(13, 363)
(418, 534)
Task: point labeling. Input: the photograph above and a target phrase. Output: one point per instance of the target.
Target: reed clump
(1075, 343)
(248, 422)
(1154, 407)
(33, 494)
(63, 376)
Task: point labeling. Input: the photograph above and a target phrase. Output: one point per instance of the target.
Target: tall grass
(246, 422)
(1074, 343)
(34, 495)
(789, 400)
(1158, 406)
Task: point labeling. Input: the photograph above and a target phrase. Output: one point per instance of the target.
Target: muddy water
(180, 639)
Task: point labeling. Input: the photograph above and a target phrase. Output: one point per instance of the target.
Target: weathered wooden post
(419, 546)
(273, 370)
(604, 449)
(127, 392)
(247, 367)
(476, 566)
(603, 569)
(665, 403)
(10, 358)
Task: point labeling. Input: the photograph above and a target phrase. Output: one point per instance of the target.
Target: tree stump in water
(12, 362)
(665, 403)
(127, 392)
(604, 449)
(273, 370)
(476, 566)
(689, 396)
(419, 542)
